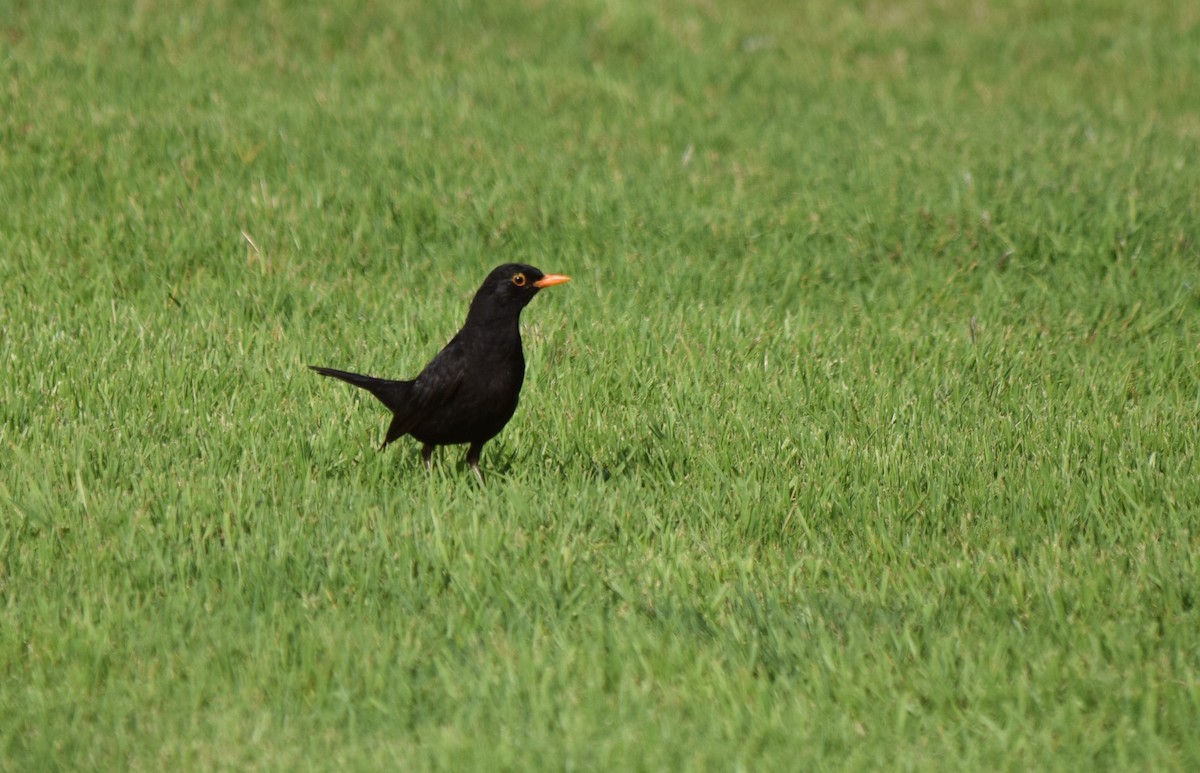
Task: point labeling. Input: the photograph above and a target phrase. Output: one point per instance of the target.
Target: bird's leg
(473, 460)
(427, 456)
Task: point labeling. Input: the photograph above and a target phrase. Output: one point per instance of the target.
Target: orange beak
(549, 280)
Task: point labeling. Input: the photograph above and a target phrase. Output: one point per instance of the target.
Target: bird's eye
(518, 280)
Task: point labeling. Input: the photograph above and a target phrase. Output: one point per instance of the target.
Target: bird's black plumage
(469, 391)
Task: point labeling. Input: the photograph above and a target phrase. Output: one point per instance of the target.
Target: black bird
(469, 391)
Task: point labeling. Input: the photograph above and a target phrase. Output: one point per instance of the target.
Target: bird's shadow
(451, 462)
(501, 461)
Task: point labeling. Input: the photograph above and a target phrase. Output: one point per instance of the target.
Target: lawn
(865, 436)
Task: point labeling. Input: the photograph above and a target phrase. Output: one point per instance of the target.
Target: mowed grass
(865, 436)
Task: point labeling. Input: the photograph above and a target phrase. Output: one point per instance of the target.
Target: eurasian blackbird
(469, 391)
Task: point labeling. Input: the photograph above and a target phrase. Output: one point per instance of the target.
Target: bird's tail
(393, 394)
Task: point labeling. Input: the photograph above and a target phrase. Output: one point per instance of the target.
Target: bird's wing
(441, 378)
(436, 385)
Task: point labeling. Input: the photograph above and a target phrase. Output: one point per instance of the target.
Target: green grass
(865, 436)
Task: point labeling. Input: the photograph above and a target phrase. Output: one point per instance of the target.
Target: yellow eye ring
(518, 280)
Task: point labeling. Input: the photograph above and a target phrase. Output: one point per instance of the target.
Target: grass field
(865, 436)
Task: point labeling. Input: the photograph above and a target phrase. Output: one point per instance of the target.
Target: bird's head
(509, 288)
